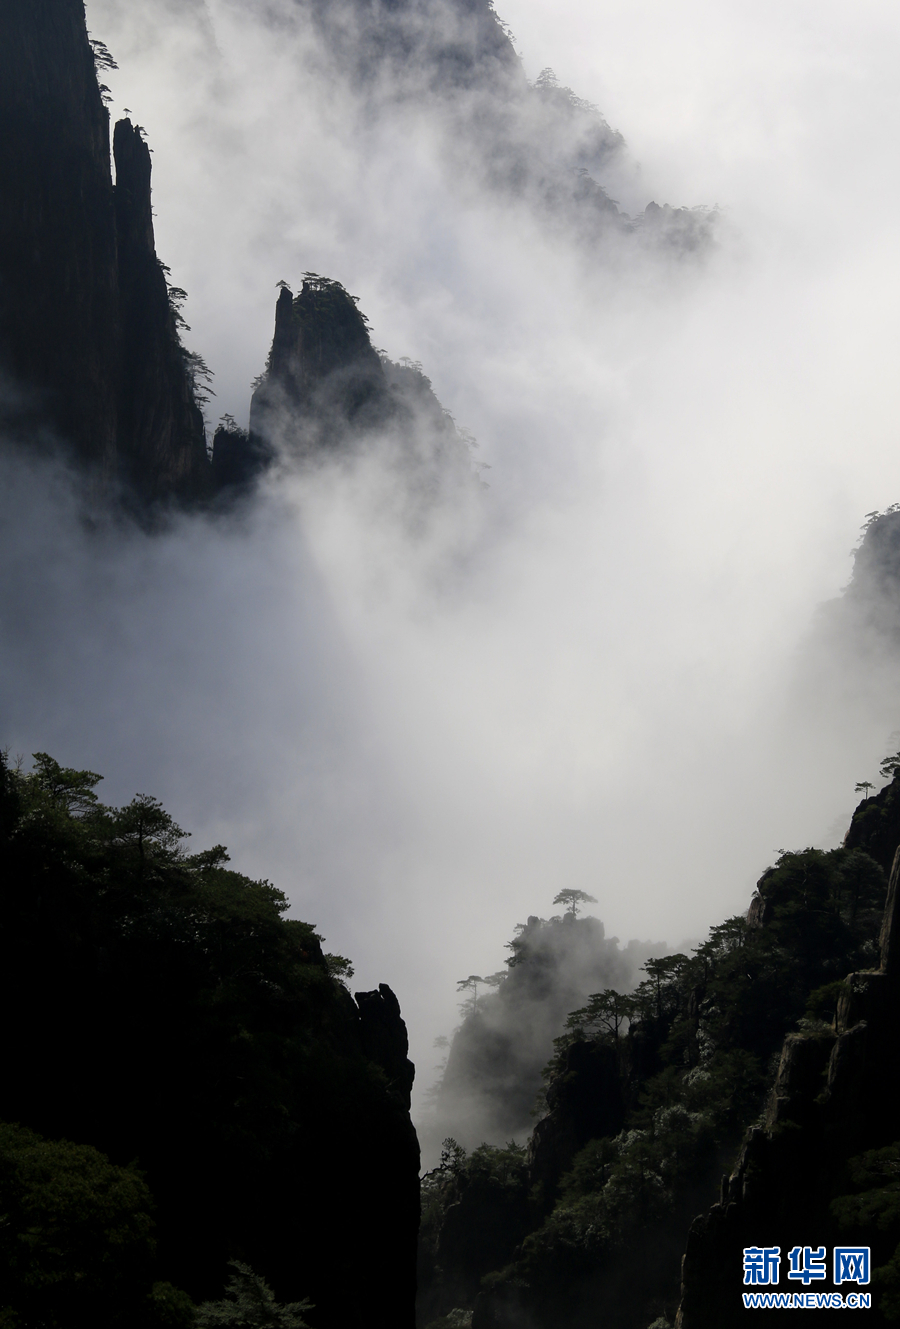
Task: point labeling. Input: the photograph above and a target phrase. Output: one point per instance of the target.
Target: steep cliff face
(586, 1102)
(162, 441)
(848, 665)
(59, 317)
(874, 589)
(89, 353)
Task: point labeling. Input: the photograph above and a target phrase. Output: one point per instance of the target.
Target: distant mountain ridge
(454, 62)
(492, 1079)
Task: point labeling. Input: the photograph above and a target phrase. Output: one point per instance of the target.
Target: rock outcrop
(324, 387)
(90, 358)
(385, 1040)
(876, 825)
(327, 395)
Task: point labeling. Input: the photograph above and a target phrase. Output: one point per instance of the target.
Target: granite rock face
(161, 437)
(90, 357)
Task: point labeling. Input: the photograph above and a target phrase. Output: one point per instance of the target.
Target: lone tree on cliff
(470, 984)
(863, 787)
(573, 899)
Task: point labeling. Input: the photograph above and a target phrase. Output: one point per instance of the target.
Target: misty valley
(425, 693)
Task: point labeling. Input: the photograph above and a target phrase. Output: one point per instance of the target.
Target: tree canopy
(162, 1008)
(573, 900)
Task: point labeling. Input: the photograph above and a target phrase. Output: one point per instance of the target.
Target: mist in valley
(602, 668)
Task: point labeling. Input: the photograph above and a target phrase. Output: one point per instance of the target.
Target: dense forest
(187, 1082)
(648, 1097)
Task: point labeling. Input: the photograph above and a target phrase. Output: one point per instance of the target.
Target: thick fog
(602, 674)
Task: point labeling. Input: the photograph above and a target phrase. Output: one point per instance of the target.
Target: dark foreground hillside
(774, 1043)
(222, 1095)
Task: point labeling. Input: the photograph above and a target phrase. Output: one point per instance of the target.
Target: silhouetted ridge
(89, 349)
(158, 1006)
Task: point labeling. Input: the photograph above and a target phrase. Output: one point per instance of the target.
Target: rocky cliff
(876, 825)
(324, 386)
(328, 396)
(90, 358)
(161, 436)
